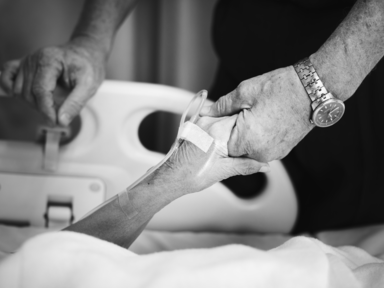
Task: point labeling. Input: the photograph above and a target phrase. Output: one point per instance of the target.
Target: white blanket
(67, 259)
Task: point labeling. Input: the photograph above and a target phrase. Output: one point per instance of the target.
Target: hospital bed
(48, 185)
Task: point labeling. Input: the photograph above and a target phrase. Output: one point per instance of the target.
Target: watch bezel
(321, 105)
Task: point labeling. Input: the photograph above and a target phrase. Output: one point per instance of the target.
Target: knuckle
(90, 81)
(242, 89)
(38, 90)
(74, 106)
(247, 92)
(8, 65)
(281, 155)
(244, 168)
(46, 56)
(264, 156)
(248, 170)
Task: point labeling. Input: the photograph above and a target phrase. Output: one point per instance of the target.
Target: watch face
(328, 113)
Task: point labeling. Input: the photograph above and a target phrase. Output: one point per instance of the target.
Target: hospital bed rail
(107, 155)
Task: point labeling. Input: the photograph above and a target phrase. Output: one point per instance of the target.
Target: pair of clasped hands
(268, 113)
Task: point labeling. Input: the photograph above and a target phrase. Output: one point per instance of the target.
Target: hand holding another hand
(190, 169)
(273, 115)
(77, 66)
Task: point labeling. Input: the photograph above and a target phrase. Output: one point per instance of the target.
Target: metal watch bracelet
(311, 82)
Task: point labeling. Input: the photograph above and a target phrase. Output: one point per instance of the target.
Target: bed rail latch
(52, 138)
(59, 211)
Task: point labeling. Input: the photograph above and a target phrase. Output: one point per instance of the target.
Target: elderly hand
(77, 66)
(189, 169)
(274, 112)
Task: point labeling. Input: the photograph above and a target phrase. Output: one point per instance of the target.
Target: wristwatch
(326, 109)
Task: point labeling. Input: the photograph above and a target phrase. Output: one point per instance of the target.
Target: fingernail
(265, 169)
(64, 119)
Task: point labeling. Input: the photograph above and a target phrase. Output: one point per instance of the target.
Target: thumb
(73, 104)
(227, 105)
(8, 75)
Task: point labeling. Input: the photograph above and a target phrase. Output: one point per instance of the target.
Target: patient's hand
(190, 169)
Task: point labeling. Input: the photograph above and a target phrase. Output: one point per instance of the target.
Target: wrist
(301, 101)
(335, 75)
(156, 190)
(98, 48)
(327, 109)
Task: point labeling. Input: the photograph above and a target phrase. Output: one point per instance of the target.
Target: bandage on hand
(195, 166)
(198, 170)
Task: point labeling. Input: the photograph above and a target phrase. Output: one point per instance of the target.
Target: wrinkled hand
(192, 170)
(77, 66)
(273, 115)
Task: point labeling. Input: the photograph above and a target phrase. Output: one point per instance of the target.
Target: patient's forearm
(189, 169)
(352, 50)
(100, 20)
(112, 224)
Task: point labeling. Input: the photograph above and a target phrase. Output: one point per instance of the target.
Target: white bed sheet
(68, 259)
(11, 238)
(369, 238)
(295, 262)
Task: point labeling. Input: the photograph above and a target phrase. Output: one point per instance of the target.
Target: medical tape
(126, 205)
(197, 136)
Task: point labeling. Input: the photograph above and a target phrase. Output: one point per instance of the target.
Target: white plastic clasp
(52, 137)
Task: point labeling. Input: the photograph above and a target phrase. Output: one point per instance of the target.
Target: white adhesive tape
(194, 134)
